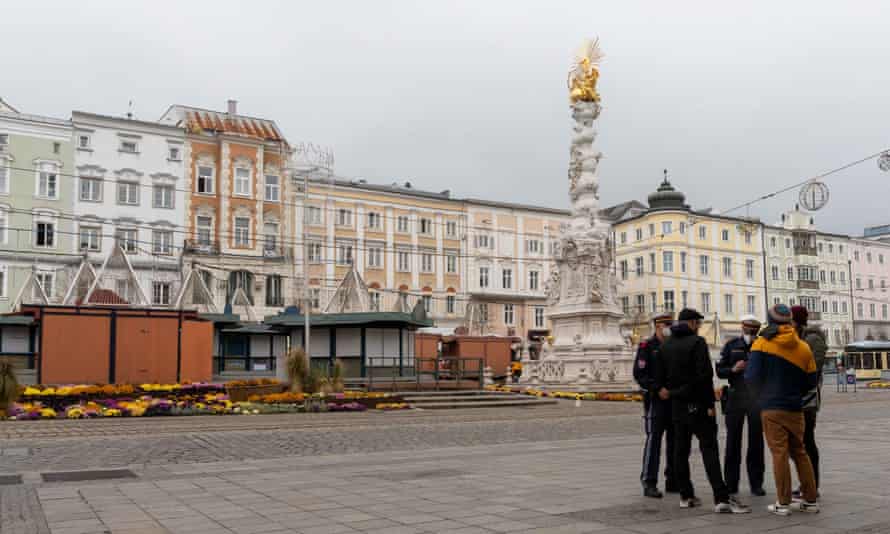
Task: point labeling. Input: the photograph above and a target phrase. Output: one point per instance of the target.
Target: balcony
(814, 316)
(196, 246)
(277, 253)
(807, 284)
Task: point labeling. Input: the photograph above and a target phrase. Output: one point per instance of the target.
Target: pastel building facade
(870, 265)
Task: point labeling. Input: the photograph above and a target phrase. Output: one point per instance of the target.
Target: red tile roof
(105, 296)
(197, 120)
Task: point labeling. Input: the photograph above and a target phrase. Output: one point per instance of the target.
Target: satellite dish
(814, 196)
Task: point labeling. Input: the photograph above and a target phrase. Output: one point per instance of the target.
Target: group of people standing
(774, 379)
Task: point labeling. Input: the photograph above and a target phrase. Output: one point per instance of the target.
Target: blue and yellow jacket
(781, 369)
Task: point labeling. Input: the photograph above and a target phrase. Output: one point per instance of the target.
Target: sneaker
(779, 509)
(806, 507)
(732, 506)
(758, 492)
(692, 502)
(797, 496)
(652, 492)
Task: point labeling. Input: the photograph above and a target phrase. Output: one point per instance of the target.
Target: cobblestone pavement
(547, 469)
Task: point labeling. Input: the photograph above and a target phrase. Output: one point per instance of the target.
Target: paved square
(557, 469)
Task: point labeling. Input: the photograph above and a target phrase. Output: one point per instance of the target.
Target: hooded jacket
(735, 350)
(815, 338)
(686, 371)
(781, 369)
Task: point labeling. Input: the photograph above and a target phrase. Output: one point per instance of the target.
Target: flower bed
(569, 394)
(878, 385)
(242, 390)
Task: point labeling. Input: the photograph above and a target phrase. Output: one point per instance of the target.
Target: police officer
(739, 406)
(656, 412)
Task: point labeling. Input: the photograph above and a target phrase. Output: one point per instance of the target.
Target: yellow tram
(868, 358)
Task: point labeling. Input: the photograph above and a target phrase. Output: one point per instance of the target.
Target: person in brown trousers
(780, 371)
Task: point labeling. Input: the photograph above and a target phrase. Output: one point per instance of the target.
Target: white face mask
(748, 338)
(666, 331)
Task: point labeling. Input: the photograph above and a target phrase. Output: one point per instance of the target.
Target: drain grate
(623, 515)
(10, 480)
(81, 476)
(420, 475)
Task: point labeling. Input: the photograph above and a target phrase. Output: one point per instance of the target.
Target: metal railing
(197, 246)
(450, 370)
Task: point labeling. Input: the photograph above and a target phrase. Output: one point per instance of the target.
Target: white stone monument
(588, 351)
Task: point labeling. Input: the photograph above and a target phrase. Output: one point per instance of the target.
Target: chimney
(232, 108)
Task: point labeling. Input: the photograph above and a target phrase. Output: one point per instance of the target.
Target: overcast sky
(735, 100)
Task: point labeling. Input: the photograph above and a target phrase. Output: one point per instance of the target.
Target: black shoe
(758, 492)
(670, 487)
(652, 491)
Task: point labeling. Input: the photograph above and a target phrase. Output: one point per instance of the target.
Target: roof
(5, 106)
(35, 118)
(347, 319)
(252, 328)
(618, 211)
(197, 120)
(16, 320)
(105, 297)
(220, 317)
(516, 206)
(76, 115)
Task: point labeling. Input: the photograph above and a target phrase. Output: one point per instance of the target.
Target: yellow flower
(47, 413)
(30, 391)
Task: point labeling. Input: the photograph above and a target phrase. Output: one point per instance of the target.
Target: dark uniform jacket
(735, 350)
(686, 372)
(648, 359)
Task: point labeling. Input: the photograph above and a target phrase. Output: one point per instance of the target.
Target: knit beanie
(800, 315)
(779, 314)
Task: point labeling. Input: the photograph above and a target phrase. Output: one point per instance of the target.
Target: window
(4, 177)
(173, 154)
(90, 238)
(533, 280)
(871, 310)
(403, 261)
(484, 241)
(830, 247)
(241, 280)
(641, 303)
(242, 232)
(534, 246)
(375, 257)
(775, 272)
(344, 253)
(702, 232)
(426, 226)
(856, 255)
(402, 224)
(450, 263)
(129, 146)
(868, 257)
(669, 300)
(163, 196)
(652, 262)
(820, 247)
(449, 304)
(858, 283)
(682, 262)
(162, 242)
(654, 299)
(843, 276)
(772, 242)
(205, 226)
(91, 189)
(315, 255)
(859, 310)
(666, 227)
(427, 303)
(47, 281)
(4, 140)
(834, 306)
(639, 234)
(623, 238)
(639, 266)
(790, 274)
(752, 304)
(883, 311)
(205, 180)
(451, 228)
(727, 267)
(871, 283)
(344, 217)
(273, 188)
(483, 312)
(831, 276)
(667, 261)
(822, 277)
(747, 237)
(274, 294)
(83, 141)
(539, 315)
(374, 220)
(315, 297)
(242, 181)
(727, 304)
(426, 262)
(844, 307)
(128, 193)
(749, 269)
(651, 229)
(824, 306)
(160, 293)
(508, 314)
(705, 302)
(788, 243)
(3, 293)
(625, 305)
(703, 265)
(624, 269)
(45, 234)
(682, 227)
(881, 259)
(483, 277)
(270, 238)
(507, 278)
(883, 285)
(313, 215)
(725, 235)
(48, 182)
(126, 239)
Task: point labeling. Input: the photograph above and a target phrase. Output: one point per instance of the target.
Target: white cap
(750, 319)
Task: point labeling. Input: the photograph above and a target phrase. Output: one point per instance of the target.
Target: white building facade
(130, 191)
